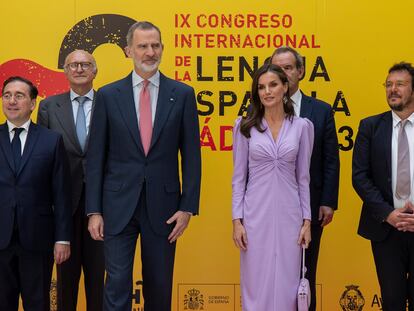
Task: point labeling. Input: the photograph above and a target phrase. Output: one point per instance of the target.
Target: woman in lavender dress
(271, 210)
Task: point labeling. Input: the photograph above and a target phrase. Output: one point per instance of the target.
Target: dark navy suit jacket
(117, 167)
(324, 168)
(371, 175)
(38, 193)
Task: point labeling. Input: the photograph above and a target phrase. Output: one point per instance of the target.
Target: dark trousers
(394, 262)
(88, 254)
(26, 273)
(157, 256)
(311, 260)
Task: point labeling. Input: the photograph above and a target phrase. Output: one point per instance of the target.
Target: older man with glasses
(70, 114)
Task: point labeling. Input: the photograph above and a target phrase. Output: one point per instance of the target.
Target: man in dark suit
(382, 175)
(140, 125)
(69, 114)
(324, 168)
(35, 222)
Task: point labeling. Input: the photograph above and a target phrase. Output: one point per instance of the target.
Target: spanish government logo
(352, 299)
(193, 300)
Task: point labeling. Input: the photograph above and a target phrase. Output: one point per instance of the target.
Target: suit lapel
(386, 134)
(6, 145)
(166, 99)
(306, 107)
(31, 139)
(90, 119)
(64, 114)
(126, 105)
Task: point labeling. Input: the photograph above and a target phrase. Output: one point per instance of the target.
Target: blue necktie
(81, 122)
(17, 148)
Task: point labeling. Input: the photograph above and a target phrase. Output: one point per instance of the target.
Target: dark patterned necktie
(17, 148)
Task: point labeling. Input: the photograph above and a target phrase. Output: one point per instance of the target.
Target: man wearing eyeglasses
(35, 216)
(382, 175)
(70, 114)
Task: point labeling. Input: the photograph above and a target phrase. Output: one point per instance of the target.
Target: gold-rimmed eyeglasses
(18, 97)
(398, 84)
(84, 65)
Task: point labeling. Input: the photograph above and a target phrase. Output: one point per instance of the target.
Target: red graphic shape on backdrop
(49, 82)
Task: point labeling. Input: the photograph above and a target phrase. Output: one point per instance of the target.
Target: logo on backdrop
(87, 35)
(193, 300)
(352, 299)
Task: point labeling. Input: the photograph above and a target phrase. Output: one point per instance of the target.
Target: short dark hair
(256, 113)
(144, 25)
(33, 89)
(404, 66)
(287, 49)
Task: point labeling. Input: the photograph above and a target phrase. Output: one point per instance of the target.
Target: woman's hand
(305, 233)
(239, 234)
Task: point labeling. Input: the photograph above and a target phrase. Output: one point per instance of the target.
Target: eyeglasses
(398, 84)
(18, 97)
(84, 65)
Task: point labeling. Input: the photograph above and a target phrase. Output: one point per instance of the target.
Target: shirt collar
(396, 119)
(296, 97)
(154, 79)
(89, 95)
(24, 126)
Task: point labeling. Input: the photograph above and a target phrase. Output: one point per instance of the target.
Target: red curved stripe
(49, 82)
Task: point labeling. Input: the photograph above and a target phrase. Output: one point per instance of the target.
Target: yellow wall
(357, 42)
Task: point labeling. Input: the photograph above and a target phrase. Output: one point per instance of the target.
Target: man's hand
(406, 218)
(181, 220)
(96, 227)
(401, 218)
(325, 214)
(61, 253)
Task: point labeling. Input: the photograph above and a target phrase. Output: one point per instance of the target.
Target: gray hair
(144, 25)
(94, 66)
(288, 49)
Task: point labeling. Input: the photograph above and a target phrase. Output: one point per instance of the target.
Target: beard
(397, 107)
(148, 68)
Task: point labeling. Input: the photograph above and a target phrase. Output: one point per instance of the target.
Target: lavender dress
(271, 195)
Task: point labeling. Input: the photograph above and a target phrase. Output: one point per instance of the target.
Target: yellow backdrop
(212, 45)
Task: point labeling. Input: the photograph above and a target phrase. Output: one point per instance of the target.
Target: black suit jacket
(371, 175)
(117, 166)
(56, 113)
(37, 194)
(324, 168)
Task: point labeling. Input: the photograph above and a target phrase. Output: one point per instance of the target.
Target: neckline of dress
(270, 132)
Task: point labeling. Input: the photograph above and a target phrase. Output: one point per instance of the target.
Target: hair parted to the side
(256, 111)
(33, 89)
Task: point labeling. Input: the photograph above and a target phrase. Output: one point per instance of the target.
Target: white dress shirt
(87, 106)
(297, 100)
(409, 129)
(154, 85)
(23, 134)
